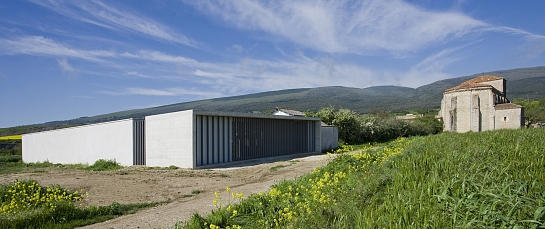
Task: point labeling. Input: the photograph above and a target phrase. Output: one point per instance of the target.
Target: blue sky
(61, 60)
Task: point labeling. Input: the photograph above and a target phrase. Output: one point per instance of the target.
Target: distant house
(410, 116)
(479, 104)
(286, 112)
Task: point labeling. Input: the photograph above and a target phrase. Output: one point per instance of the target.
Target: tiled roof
(506, 106)
(475, 83)
(468, 86)
(481, 79)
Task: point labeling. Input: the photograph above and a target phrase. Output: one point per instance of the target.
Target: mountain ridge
(527, 83)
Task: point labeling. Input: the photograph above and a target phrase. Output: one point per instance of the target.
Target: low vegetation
(491, 179)
(534, 110)
(13, 164)
(104, 165)
(26, 204)
(377, 126)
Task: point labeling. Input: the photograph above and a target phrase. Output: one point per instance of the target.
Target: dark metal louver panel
(260, 138)
(213, 139)
(225, 139)
(139, 147)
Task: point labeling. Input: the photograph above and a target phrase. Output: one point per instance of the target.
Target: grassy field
(492, 179)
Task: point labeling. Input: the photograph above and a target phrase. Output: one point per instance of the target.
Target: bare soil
(189, 191)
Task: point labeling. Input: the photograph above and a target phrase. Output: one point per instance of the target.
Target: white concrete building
(187, 139)
(120, 140)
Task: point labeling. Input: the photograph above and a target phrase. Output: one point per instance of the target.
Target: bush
(103, 165)
(380, 126)
(10, 158)
(425, 126)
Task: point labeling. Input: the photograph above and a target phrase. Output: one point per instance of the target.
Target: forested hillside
(527, 83)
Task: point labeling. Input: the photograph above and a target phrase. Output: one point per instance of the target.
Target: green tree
(327, 114)
(349, 126)
(534, 110)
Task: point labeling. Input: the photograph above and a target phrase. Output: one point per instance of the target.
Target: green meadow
(493, 179)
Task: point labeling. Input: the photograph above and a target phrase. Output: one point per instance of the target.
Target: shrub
(379, 126)
(10, 158)
(103, 165)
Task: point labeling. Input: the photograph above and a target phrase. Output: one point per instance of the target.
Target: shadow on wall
(330, 137)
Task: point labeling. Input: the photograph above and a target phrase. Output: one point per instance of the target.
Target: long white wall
(169, 139)
(82, 144)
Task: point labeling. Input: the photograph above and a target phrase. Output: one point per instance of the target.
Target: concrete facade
(170, 139)
(186, 139)
(82, 144)
(329, 137)
(479, 104)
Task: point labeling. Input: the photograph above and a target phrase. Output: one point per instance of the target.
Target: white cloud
(40, 46)
(248, 75)
(63, 63)
(147, 91)
(346, 26)
(236, 48)
(106, 16)
(164, 92)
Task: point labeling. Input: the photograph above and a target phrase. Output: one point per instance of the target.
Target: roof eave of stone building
(507, 106)
(481, 79)
(461, 88)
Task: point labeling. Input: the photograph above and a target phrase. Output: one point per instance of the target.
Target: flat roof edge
(247, 115)
(85, 125)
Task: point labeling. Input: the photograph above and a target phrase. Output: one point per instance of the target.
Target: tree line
(534, 110)
(377, 126)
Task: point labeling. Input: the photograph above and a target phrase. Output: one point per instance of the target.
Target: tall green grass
(474, 180)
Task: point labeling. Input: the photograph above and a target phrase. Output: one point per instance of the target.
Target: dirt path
(140, 184)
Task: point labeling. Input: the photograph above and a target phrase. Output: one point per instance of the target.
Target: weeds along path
(189, 191)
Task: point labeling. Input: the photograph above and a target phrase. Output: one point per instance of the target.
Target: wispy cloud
(63, 63)
(106, 16)
(247, 75)
(40, 46)
(164, 92)
(346, 26)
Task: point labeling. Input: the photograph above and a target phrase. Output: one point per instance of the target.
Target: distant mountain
(528, 83)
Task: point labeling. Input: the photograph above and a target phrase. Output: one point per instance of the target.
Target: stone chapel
(479, 104)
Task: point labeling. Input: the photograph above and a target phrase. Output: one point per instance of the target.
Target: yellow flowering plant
(27, 195)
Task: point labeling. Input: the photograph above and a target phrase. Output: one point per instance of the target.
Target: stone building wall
(509, 119)
(468, 110)
(498, 85)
